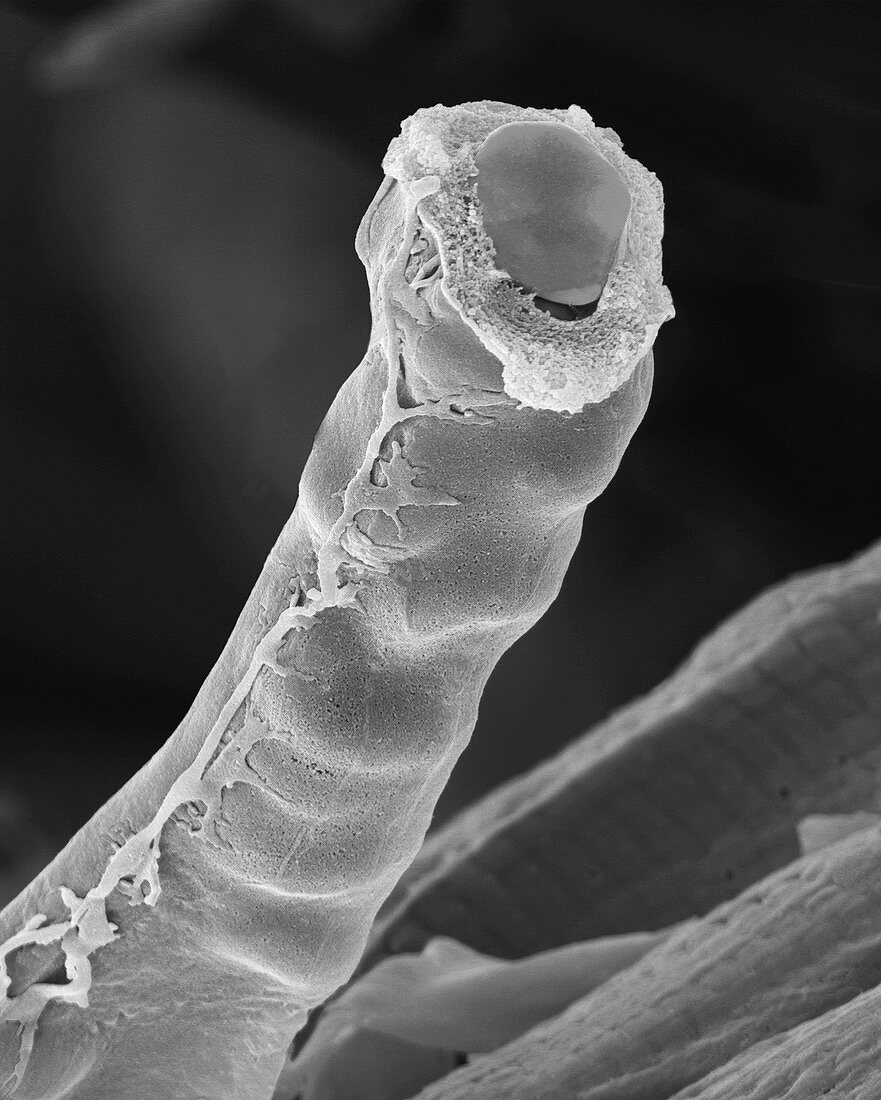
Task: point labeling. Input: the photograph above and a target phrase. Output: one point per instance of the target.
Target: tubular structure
(176, 944)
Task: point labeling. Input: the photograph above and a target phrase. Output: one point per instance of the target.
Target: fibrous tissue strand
(133, 869)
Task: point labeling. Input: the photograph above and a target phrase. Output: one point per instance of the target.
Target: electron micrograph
(443, 646)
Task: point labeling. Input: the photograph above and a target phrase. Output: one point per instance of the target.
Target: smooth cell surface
(554, 208)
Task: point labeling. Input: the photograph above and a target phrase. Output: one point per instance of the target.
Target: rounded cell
(554, 209)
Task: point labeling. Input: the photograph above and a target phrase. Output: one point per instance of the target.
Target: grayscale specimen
(677, 801)
(802, 942)
(176, 944)
(764, 745)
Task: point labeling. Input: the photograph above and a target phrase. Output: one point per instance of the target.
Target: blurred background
(180, 185)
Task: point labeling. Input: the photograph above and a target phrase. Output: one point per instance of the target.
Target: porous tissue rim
(547, 363)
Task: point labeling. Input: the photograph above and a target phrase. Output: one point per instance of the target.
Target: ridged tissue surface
(231, 884)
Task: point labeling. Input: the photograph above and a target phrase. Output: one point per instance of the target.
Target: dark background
(181, 300)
